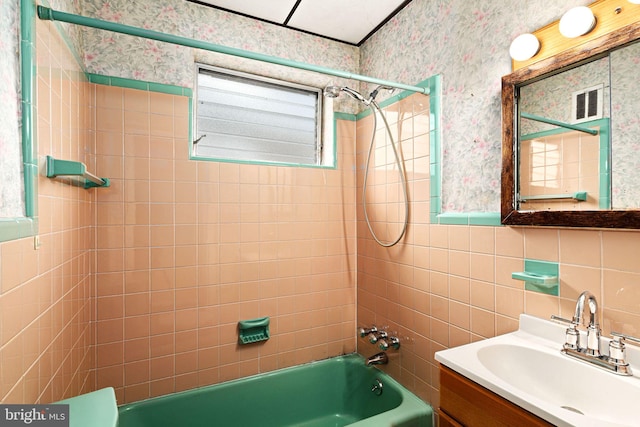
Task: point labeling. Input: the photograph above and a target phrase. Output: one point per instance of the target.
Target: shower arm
(46, 13)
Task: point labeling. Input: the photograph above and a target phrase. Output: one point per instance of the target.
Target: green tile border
(469, 218)
(139, 84)
(20, 227)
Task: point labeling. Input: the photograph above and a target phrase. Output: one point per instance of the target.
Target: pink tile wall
(186, 249)
(447, 285)
(45, 305)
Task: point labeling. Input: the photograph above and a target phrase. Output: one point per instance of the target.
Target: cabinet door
(473, 405)
(447, 421)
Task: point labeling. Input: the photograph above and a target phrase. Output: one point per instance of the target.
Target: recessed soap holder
(253, 330)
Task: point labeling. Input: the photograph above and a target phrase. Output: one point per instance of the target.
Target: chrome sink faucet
(587, 301)
(615, 360)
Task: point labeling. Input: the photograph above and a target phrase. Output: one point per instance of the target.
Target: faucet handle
(374, 337)
(562, 320)
(572, 336)
(366, 331)
(617, 352)
(390, 342)
(619, 337)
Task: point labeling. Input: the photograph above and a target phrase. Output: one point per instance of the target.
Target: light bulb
(577, 22)
(524, 47)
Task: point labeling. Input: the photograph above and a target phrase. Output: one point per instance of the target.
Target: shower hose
(401, 172)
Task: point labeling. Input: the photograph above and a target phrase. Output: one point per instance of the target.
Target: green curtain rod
(46, 13)
(558, 123)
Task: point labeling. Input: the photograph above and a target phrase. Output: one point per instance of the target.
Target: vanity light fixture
(524, 47)
(577, 22)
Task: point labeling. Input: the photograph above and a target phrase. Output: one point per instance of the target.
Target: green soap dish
(254, 330)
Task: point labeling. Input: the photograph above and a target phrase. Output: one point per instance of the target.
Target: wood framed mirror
(513, 209)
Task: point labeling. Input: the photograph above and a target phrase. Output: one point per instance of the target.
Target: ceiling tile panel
(269, 10)
(350, 20)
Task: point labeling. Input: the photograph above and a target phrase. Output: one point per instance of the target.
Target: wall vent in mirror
(586, 104)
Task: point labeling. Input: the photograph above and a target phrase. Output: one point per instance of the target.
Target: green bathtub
(330, 393)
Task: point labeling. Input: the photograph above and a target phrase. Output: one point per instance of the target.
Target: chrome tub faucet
(385, 342)
(378, 359)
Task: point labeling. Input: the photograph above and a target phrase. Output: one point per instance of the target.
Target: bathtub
(330, 393)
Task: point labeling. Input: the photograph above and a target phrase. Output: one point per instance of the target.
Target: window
(246, 118)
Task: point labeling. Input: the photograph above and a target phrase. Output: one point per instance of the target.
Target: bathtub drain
(377, 387)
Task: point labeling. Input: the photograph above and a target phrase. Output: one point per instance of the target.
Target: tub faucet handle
(392, 342)
(374, 337)
(367, 331)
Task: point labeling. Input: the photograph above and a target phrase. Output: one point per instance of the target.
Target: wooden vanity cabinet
(465, 403)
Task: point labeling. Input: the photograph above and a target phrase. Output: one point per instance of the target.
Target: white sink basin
(527, 368)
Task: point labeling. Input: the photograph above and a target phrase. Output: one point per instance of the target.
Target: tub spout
(378, 359)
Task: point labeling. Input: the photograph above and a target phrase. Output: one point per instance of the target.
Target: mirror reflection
(579, 137)
(625, 128)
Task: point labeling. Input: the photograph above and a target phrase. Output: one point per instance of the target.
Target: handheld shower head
(334, 92)
(355, 95)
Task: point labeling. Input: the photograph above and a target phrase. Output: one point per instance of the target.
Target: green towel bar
(57, 168)
(578, 196)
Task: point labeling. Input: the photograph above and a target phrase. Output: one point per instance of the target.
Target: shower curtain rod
(46, 13)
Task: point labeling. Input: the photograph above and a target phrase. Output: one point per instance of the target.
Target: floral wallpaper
(625, 128)
(468, 43)
(125, 56)
(11, 196)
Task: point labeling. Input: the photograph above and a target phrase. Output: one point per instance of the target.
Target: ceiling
(349, 21)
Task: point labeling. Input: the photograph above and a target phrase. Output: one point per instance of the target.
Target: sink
(527, 368)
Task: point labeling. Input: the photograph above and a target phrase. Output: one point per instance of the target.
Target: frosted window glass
(248, 119)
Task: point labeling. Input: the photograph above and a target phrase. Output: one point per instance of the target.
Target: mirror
(571, 137)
